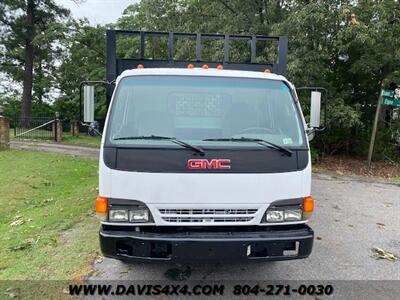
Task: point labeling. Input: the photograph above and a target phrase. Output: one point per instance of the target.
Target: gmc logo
(200, 164)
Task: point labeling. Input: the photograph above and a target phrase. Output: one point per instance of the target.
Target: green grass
(47, 226)
(83, 140)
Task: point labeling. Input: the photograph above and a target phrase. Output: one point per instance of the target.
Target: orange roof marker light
(190, 66)
(204, 66)
(267, 71)
(220, 67)
(139, 66)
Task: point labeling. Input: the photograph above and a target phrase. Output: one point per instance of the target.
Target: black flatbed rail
(116, 65)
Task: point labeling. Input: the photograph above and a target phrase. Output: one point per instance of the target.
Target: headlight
(293, 214)
(139, 215)
(283, 214)
(118, 215)
(123, 211)
(290, 210)
(274, 216)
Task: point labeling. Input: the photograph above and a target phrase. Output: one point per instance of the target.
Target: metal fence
(42, 128)
(33, 128)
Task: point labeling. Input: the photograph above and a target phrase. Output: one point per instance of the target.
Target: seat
(239, 117)
(155, 122)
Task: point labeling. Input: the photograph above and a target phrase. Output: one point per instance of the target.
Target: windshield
(204, 111)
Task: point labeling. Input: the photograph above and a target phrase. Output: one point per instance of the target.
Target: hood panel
(189, 188)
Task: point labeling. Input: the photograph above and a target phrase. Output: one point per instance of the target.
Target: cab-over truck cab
(203, 160)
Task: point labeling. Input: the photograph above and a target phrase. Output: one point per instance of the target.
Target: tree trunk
(261, 7)
(26, 103)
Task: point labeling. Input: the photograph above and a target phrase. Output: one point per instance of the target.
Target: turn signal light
(308, 204)
(101, 205)
(139, 66)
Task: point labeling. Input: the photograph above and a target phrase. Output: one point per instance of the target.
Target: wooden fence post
(74, 128)
(57, 129)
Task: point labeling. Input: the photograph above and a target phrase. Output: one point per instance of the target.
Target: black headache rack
(115, 65)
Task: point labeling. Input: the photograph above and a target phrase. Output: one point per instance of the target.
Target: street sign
(390, 97)
(387, 97)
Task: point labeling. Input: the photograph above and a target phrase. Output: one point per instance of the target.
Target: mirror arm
(311, 130)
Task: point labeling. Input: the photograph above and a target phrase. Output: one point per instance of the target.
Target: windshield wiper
(164, 138)
(262, 142)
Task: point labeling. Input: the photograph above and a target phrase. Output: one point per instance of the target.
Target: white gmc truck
(204, 160)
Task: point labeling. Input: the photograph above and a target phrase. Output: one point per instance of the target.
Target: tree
(83, 59)
(28, 33)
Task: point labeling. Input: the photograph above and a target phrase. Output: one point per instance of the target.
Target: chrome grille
(206, 219)
(208, 211)
(207, 215)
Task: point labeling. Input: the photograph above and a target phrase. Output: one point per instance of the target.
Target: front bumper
(211, 243)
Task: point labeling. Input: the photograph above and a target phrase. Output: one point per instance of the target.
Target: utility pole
(375, 128)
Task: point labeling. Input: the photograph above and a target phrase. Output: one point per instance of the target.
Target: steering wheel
(257, 130)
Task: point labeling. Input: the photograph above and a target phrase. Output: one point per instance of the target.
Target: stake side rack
(116, 66)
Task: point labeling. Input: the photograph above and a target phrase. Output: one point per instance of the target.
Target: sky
(97, 11)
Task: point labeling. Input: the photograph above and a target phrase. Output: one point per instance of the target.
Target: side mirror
(314, 108)
(315, 113)
(88, 103)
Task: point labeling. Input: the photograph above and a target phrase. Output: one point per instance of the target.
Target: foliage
(84, 59)
(315, 155)
(29, 31)
(12, 108)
